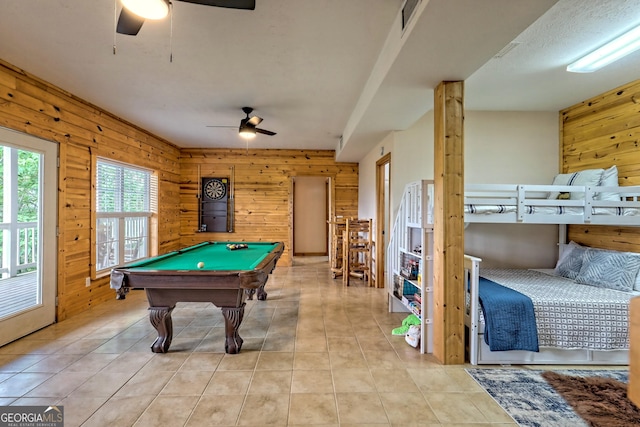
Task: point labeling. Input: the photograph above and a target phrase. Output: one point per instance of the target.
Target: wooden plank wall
(598, 133)
(262, 186)
(35, 107)
(83, 131)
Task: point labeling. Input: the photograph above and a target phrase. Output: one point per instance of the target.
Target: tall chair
(357, 249)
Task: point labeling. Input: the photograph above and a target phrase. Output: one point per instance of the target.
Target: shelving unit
(410, 259)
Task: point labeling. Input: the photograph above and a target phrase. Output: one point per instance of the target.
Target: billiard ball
(201, 264)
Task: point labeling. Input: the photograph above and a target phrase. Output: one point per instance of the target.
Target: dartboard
(215, 189)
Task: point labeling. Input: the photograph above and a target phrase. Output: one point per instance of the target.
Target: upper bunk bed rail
(531, 204)
(538, 204)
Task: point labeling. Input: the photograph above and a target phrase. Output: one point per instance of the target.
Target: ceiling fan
(247, 128)
(134, 12)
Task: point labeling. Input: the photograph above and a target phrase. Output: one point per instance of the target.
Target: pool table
(206, 272)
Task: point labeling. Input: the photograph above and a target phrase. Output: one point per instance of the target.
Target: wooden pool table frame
(226, 289)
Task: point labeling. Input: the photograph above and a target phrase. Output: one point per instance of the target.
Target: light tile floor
(314, 353)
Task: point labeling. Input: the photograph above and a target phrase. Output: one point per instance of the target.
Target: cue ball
(201, 264)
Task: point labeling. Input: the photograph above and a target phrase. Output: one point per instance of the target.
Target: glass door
(28, 237)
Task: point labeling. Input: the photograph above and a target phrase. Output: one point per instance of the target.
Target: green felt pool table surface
(215, 256)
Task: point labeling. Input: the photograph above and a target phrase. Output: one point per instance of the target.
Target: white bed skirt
(548, 356)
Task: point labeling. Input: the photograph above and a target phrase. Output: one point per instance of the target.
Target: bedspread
(510, 318)
(568, 314)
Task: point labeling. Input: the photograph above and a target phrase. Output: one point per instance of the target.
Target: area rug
(600, 401)
(532, 402)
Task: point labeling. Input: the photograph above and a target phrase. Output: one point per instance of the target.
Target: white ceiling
(315, 70)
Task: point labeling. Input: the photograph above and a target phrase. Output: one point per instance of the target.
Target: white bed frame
(479, 352)
(517, 198)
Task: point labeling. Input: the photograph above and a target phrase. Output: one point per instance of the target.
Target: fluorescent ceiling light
(627, 43)
(149, 9)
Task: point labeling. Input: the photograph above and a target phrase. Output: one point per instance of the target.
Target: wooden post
(448, 328)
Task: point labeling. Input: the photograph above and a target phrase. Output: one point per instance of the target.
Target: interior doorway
(383, 191)
(310, 216)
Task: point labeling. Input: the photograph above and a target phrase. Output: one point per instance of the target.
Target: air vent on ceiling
(407, 11)
(508, 48)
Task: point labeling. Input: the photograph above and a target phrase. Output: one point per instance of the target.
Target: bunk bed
(586, 197)
(580, 307)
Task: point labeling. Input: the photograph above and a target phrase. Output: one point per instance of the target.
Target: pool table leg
(232, 319)
(262, 294)
(160, 318)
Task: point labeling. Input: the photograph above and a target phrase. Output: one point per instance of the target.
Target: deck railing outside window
(124, 205)
(26, 254)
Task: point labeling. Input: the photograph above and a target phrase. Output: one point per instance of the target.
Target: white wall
(511, 148)
(367, 177)
(500, 147)
(412, 158)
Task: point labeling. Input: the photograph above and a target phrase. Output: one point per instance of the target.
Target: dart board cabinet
(214, 204)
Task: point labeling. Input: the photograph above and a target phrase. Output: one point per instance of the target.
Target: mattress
(548, 210)
(568, 314)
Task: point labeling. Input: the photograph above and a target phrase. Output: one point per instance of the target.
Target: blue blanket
(510, 321)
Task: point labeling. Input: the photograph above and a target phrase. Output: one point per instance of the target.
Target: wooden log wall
(82, 130)
(262, 184)
(598, 133)
(262, 180)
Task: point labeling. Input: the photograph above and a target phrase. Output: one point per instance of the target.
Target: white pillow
(591, 177)
(609, 179)
(570, 261)
(565, 249)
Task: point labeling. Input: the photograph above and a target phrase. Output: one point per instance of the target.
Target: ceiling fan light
(247, 132)
(618, 48)
(148, 9)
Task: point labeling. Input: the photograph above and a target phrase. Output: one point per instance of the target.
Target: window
(125, 201)
(20, 200)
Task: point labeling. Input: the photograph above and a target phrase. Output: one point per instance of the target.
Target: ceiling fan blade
(254, 121)
(129, 23)
(231, 4)
(265, 132)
